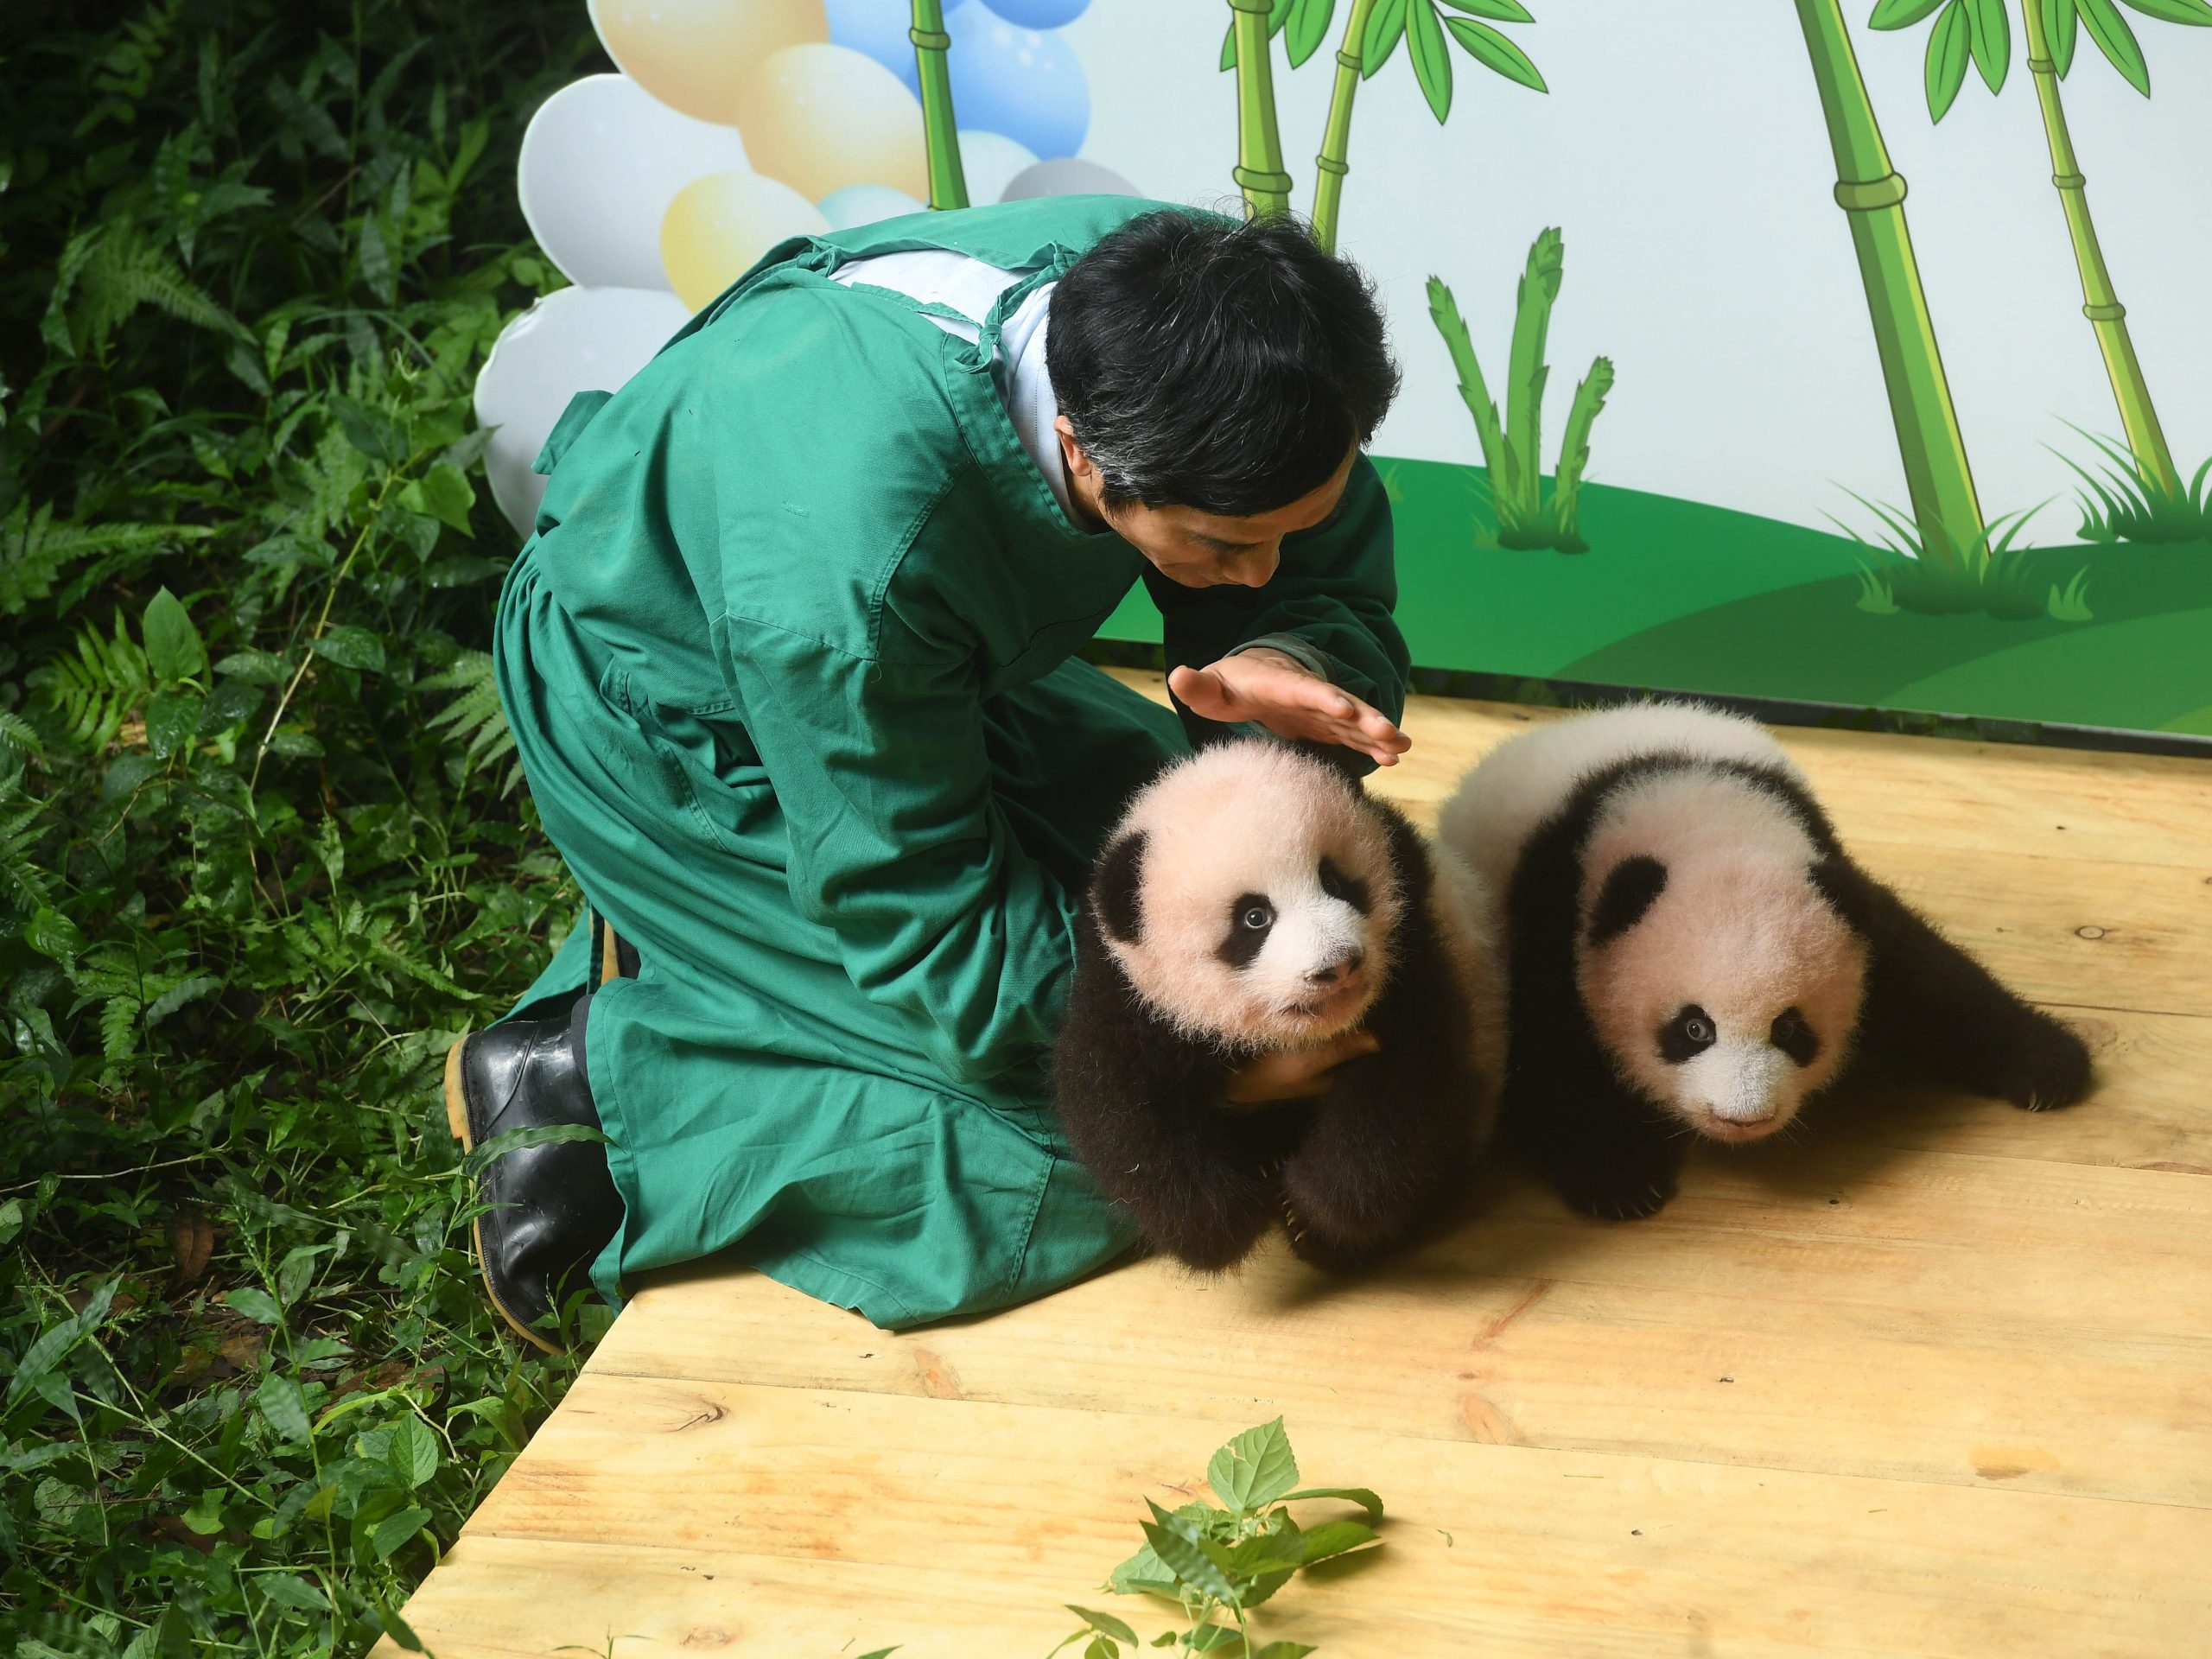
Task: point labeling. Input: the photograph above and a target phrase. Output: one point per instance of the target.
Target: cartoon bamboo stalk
(1332, 164)
(1259, 170)
(1872, 192)
(940, 135)
(2147, 440)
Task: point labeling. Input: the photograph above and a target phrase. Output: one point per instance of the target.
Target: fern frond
(98, 690)
(475, 716)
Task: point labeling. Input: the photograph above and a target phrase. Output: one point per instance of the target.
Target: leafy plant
(2118, 504)
(1528, 515)
(257, 871)
(1981, 31)
(1372, 35)
(1990, 576)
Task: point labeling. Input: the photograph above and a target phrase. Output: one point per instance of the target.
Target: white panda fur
(1366, 925)
(1690, 949)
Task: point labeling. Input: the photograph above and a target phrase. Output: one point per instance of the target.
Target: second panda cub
(1254, 899)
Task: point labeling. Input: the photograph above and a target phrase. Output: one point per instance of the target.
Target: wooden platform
(1934, 1378)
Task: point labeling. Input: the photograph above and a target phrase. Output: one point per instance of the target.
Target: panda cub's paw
(1616, 1191)
(2048, 1068)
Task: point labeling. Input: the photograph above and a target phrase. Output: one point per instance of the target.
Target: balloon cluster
(735, 125)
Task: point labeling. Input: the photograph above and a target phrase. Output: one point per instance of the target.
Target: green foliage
(1221, 1560)
(1423, 25)
(2120, 504)
(259, 858)
(1903, 573)
(1980, 31)
(1528, 515)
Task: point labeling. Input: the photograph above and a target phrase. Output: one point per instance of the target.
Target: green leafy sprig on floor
(1219, 1561)
(260, 857)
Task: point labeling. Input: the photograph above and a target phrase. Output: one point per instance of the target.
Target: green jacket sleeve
(1332, 594)
(897, 845)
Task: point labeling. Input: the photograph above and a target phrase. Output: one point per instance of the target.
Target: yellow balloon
(691, 53)
(717, 226)
(821, 117)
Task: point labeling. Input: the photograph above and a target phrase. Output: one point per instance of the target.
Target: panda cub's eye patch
(1250, 919)
(1794, 1037)
(1687, 1035)
(1349, 889)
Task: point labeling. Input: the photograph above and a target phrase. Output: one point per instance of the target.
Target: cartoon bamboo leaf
(1989, 33)
(1386, 26)
(1431, 58)
(1307, 27)
(2176, 11)
(2061, 25)
(1512, 11)
(2117, 41)
(1948, 51)
(1494, 51)
(1901, 14)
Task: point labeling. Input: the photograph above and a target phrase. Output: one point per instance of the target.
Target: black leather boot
(554, 1207)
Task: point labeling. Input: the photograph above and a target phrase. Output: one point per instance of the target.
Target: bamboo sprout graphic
(948, 182)
(1872, 193)
(1259, 171)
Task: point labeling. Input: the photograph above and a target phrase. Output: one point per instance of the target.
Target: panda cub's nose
(1344, 968)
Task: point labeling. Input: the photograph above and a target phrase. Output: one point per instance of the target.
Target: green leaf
(1386, 26)
(1945, 67)
(396, 1530)
(443, 494)
(1284, 1650)
(278, 1401)
(52, 1346)
(1308, 28)
(1495, 53)
(255, 1305)
(296, 1271)
(172, 721)
(1187, 1558)
(1989, 32)
(2196, 12)
(1334, 1538)
(1512, 11)
(2061, 27)
(413, 1451)
(11, 1220)
(178, 996)
(1100, 1647)
(371, 431)
(1143, 1571)
(1358, 1494)
(51, 934)
(535, 1135)
(1901, 14)
(173, 647)
(352, 647)
(2117, 41)
(1105, 1622)
(256, 667)
(206, 1517)
(291, 740)
(1431, 57)
(289, 1590)
(1255, 1468)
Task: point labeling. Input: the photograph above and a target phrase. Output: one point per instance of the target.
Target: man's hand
(1298, 1073)
(1291, 700)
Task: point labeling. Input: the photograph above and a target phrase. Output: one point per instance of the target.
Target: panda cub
(1254, 899)
(1690, 951)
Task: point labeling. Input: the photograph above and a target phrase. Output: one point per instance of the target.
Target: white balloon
(602, 160)
(578, 340)
(1067, 176)
(866, 204)
(990, 161)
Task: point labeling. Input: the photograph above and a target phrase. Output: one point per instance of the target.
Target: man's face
(1204, 549)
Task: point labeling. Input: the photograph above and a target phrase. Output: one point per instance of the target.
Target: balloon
(990, 161)
(877, 28)
(1068, 175)
(601, 161)
(820, 117)
(867, 204)
(689, 53)
(578, 340)
(1038, 13)
(718, 226)
(1015, 81)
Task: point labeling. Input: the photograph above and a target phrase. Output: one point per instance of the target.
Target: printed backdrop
(1750, 347)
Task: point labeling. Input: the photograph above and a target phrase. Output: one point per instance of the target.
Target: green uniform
(789, 663)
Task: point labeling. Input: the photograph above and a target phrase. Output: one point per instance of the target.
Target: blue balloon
(1038, 14)
(877, 28)
(1015, 81)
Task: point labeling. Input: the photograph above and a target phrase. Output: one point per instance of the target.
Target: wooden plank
(1940, 1319)
(1499, 1549)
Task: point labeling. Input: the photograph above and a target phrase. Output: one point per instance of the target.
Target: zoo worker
(789, 665)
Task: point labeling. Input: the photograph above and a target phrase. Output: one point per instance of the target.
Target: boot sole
(457, 1121)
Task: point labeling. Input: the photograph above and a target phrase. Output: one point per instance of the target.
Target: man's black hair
(1211, 364)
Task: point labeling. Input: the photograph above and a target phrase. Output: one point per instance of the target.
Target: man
(789, 663)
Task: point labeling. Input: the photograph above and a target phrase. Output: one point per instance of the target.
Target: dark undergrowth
(259, 862)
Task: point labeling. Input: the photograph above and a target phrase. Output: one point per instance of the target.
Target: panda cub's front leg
(1382, 1152)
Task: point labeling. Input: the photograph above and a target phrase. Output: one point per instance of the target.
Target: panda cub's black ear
(1113, 888)
(1634, 885)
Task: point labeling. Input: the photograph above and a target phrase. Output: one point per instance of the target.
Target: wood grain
(1930, 1378)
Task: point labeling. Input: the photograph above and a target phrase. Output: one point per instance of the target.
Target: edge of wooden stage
(1929, 1379)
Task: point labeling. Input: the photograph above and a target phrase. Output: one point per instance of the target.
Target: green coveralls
(789, 663)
